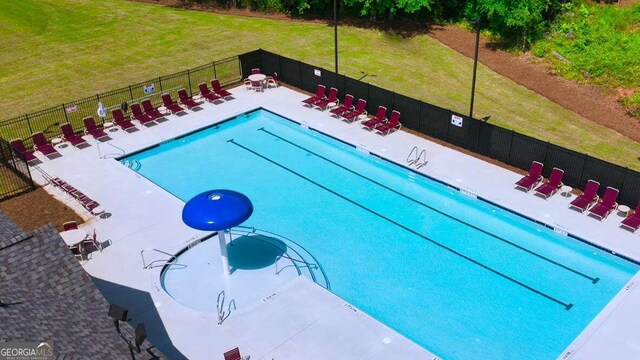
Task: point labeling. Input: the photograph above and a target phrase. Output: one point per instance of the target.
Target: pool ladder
(222, 315)
(419, 159)
(306, 264)
(159, 262)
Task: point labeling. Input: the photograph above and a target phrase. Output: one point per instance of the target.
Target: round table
(197, 97)
(257, 77)
(163, 109)
(331, 105)
(109, 126)
(362, 117)
(623, 210)
(565, 190)
(73, 237)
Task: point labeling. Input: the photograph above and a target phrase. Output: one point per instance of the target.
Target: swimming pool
(459, 276)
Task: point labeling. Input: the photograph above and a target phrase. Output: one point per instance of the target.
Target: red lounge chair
(170, 105)
(91, 129)
(346, 106)
(532, 179)
(632, 222)
(215, 85)
(351, 116)
(234, 354)
(588, 197)
(40, 144)
(332, 98)
(186, 100)
(207, 94)
(70, 225)
(392, 125)
(255, 71)
(318, 96)
(18, 146)
(70, 136)
(272, 81)
(63, 185)
(144, 119)
(381, 117)
(151, 111)
(550, 187)
(602, 209)
(121, 122)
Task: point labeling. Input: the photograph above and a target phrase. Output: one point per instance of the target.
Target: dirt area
(37, 209)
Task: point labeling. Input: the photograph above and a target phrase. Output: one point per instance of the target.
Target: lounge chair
(381, 118)
(392, 125)
(91, 129)
(332, 98)
(41, 144)
(27, 155)
(217, 88)
(351, 116)
(70, 135)
(346, 106)
(255, 71)
(532, 179)
(207, 94)
(186, 100)
(602, 209)
(152, 111)
(317, 97)
(552, 186)
(121, 122)
(63, 185)
(234, 354)
(588, 197)
(632, 222)
(144, 119)
(167, 101)
(70, 225)
(272, 81)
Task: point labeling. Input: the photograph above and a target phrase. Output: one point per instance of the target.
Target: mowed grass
(55, 51)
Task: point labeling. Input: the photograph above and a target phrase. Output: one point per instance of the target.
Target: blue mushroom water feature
(217, 210)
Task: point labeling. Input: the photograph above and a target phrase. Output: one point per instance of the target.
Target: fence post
(546, 152)
(160, 82)
(189, 77)
(29, 123)
(130, 92)
(64, 110)
(510, 146)
(215, 71)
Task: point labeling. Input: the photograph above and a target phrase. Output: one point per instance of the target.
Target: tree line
(517, 22)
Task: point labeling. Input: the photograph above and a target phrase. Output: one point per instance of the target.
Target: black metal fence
(48, 120)
(15, 178)
(507, 146)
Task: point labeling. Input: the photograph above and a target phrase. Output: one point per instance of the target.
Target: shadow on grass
(141, 309)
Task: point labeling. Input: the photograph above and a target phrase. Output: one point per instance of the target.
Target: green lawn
(55, 51)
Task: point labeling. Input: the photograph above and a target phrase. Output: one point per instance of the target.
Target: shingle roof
(51, 297)
(8, 229)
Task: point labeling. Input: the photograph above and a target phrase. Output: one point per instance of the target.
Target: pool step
(134, 165)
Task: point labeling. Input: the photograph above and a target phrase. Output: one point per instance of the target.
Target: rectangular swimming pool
(457, 275)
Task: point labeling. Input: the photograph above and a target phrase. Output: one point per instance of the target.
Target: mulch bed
(36, 209)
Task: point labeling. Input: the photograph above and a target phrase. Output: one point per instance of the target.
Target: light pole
(475, 66)
(335, 31)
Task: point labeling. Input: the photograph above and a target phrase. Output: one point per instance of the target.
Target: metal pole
(335, 30)
(475, 68)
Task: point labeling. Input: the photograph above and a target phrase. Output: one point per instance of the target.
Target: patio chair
(217, 88)
(602, 209)
(78, 252)
(588, 198)
(381, 117)
(167, 101)
(151, 111)
(207, 94)
(70, 225)
(71, 137)
(186, 100)
(632, 222)
(532, 179)
(257, 86)
(392, 125)
(18, 146)
(318, 96)
(332, 98)
(121, 122)
(92, 241)
(272, 81)
(255, 71)
(41, 144)
(144, 119)
(234, 354)
(552, 186)
(91, 129)
(346, 106)
(351, 116)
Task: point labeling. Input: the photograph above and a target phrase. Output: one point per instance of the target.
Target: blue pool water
(458, 276)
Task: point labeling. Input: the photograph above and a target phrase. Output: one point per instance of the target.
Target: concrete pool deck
(144, 216)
